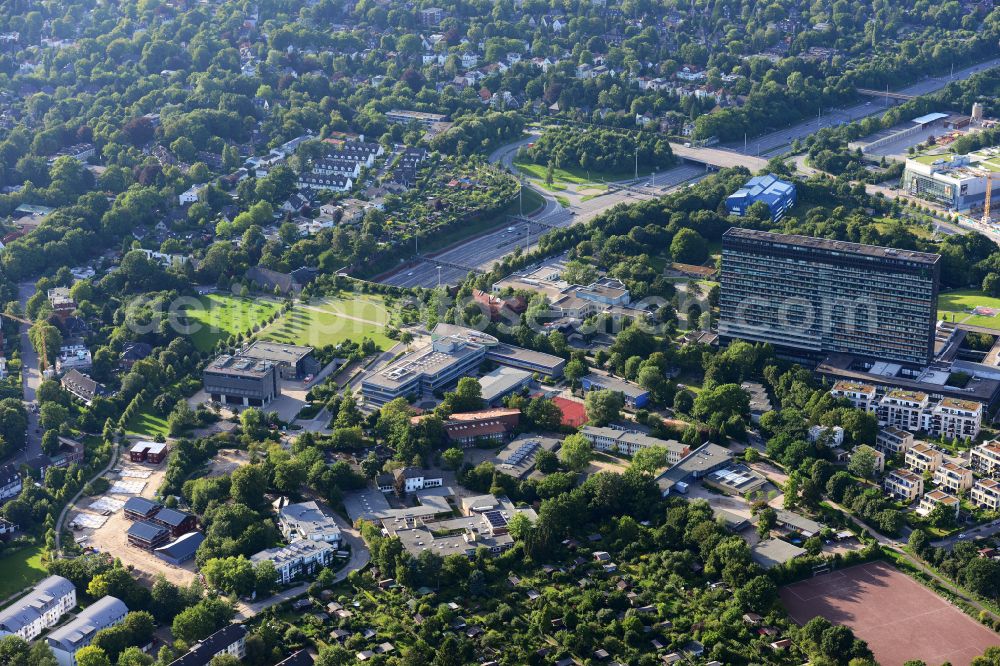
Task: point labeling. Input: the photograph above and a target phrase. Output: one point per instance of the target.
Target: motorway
(483, 251)
(773, 144)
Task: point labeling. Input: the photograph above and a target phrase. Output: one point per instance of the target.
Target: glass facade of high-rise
(820, 296)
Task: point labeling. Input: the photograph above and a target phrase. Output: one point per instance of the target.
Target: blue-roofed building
(181, 550)
(779, 195)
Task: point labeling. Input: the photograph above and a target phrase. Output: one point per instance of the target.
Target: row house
(904, 484)
(986, 494)
(316, 182)
(954, 478)
(333, 166)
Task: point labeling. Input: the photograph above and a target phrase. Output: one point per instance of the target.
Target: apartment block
(892, 441)
(922, 458)
(301, 557)
(904, 484)
(986, 494)
(953, 478)
(230, 640)
(903, 409)
(78, 633)
(930, 501)
(985, 459)
(814, 297)
(862, 396)
(38, 610)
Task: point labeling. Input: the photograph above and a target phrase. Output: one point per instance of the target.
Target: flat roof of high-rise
(239, 366)
(832, 246)
(276, 352)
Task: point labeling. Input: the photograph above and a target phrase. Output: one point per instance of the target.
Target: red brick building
(488, 424)
(151, 452)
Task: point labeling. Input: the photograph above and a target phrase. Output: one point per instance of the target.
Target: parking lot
(99, 524)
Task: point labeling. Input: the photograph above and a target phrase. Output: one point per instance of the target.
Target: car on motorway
(511, 229)
(410, 274)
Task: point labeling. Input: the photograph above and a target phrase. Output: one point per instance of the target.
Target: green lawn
(577, 176)
(332, 321)
(960, 304)
(21, 570)
(147, 424)
(222, 315)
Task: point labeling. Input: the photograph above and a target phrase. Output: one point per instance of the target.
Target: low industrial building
(230, 640)
(931, 500)
(778, 195)
(236, 380)
(985, 494)
(306, 520)
(904, 484)
(737, 480)
(635, 396)
(302, 557)
(180, 550)
(770, 553)
(64, 642)
(629, 442)
(42, 608)
(503, 381)
(151, 452)
(696, 465)
(294, 362)
(488, 425)
(483, 526)
(518, 457)
(147, 535)
(503, 354)
(790, 522)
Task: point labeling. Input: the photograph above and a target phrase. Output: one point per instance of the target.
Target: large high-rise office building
(815, 296)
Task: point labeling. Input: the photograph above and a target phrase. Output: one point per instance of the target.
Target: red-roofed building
(574, 414)
(497, 306)
(488, 424)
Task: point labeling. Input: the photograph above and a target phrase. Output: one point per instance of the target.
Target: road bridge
(528, 220)
(719, 158)
(450, 264)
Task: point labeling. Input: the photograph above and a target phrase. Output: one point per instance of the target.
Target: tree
(574, 371)
(863, 462)
(603, 406)
(766, 520)
(544, 414)
(46, 341)
(452, 458)
(370, 466)
(575, 452)
(249, 483)
(649, 460)
(546, 461)
(202, 619)
(92, 656)
(688, 247)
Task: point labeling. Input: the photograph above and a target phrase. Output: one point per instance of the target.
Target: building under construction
(958, 182)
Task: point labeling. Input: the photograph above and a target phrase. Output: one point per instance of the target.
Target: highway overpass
(720, 158)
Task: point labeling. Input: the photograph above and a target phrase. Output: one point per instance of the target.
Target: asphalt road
(484, 251)
(771, 144)
(981, 532)
(31, 378)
